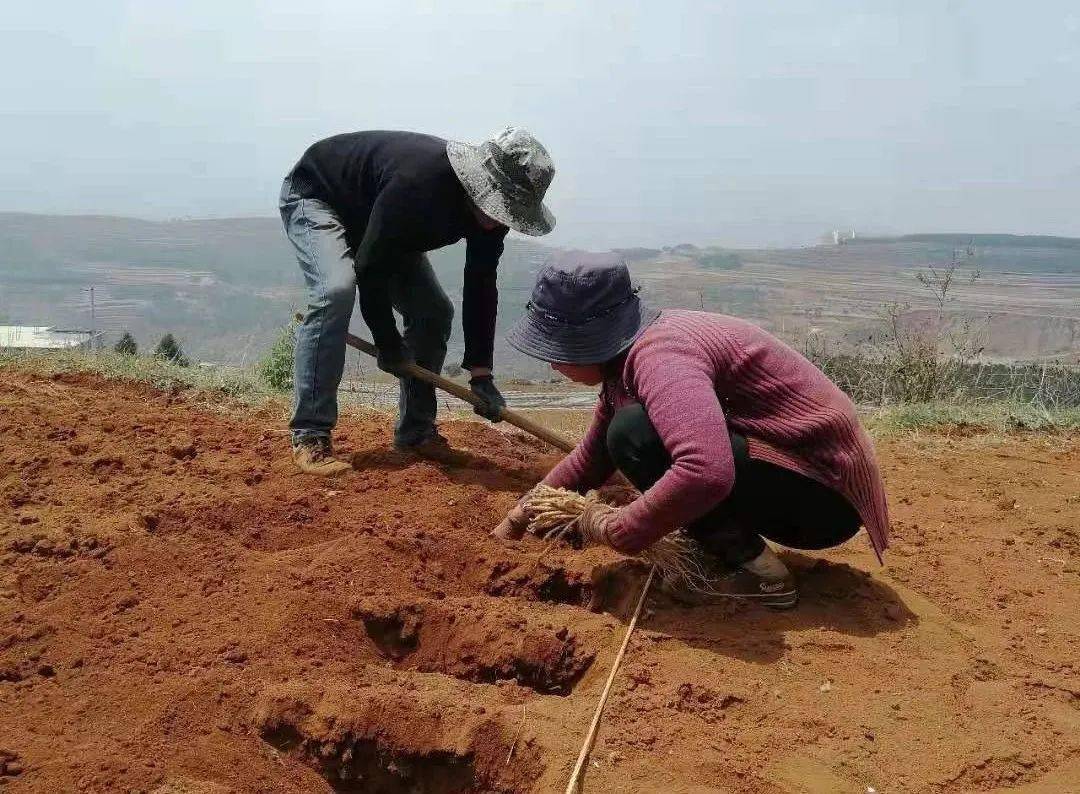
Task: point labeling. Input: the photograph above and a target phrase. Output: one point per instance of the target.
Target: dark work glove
(393, 358)
(483, 386)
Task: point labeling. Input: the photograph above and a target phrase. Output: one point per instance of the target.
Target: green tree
(720, 260)
(127, 346)
(276, 367)
(168, 349)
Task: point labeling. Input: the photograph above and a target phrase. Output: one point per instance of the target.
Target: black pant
(786, 507)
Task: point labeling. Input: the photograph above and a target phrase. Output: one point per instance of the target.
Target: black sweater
(397, 194)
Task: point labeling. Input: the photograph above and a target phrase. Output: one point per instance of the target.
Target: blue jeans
(327, 263)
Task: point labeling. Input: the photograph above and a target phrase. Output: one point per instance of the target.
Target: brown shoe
(315, 455)
(763, 580)
(435, 447)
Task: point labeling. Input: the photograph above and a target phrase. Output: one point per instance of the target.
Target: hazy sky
(734, 123)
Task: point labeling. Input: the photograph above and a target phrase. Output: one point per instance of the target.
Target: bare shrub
(938, 358)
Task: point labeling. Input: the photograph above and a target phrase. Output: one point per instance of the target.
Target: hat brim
(533, 219)
(593, 342)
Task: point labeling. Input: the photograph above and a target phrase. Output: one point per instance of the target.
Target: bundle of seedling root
(554, 514)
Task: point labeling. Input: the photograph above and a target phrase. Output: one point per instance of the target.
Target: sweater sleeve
(375, 255)
(480, 298)
(675, 385)
(588, 465)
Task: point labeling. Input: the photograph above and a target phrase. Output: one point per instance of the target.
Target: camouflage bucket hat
(507, 177)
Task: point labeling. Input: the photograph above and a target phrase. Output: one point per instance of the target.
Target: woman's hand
(596, 524)
(514, 525)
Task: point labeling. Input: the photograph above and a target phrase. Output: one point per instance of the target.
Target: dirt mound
(180, 611)
(476, 641)
(386, 738)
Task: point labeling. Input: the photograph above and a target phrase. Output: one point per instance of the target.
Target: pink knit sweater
(696, 374)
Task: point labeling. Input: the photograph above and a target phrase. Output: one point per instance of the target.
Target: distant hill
(1025, 241)
(1025, 297)
(224, 287)
(1015, 252)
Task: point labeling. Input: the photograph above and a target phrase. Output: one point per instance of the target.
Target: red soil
(181, 612)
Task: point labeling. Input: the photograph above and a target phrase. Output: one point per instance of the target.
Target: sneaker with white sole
(763, 580)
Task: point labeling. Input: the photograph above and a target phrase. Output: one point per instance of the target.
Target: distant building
(43, 338)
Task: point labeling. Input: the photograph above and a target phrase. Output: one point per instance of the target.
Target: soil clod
(384, 741)
(482, 643)
(540, 582)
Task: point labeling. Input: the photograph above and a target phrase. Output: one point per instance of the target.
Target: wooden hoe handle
(463, 393)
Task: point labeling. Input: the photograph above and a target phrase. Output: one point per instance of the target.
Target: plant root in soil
(679, 560)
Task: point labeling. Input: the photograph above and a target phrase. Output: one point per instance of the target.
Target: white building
(44, 338)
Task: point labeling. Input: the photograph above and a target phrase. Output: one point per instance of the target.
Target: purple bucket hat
(583, 310)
